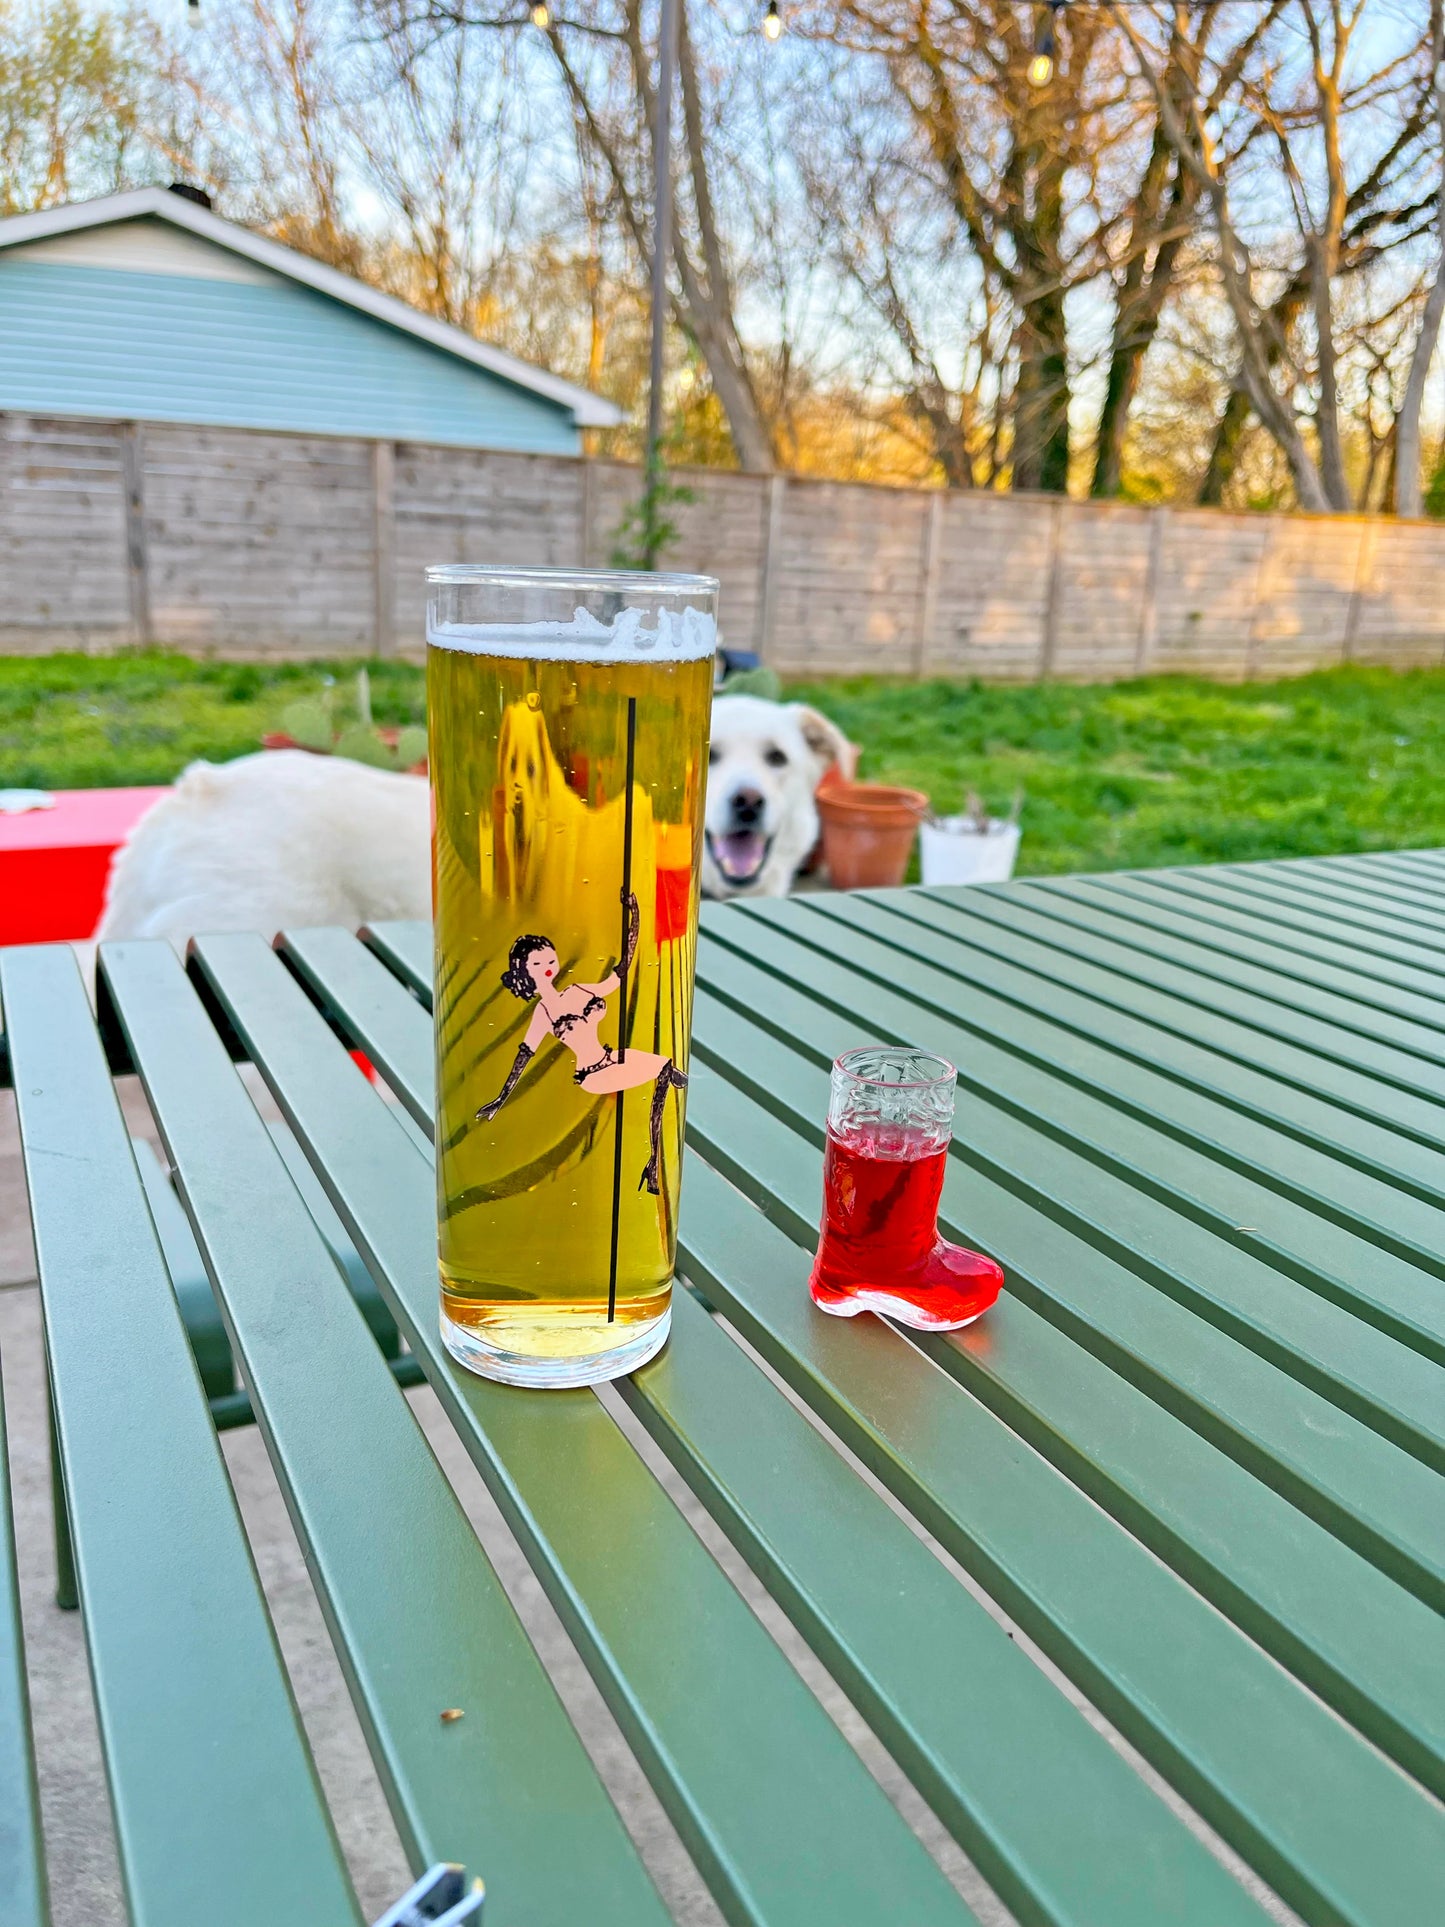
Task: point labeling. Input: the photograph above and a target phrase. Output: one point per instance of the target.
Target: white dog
(284, 839)
(276, 840)
(766, 761)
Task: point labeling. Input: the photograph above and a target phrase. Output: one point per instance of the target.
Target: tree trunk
(1164, 224)
(1331, 470)
(711, 315)
(1282, 314)
(1409, 493)
(1224, 455)
(1041, 398)
(1125, 366)
(732, 384)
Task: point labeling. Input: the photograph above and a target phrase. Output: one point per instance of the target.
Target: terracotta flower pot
(868, 833)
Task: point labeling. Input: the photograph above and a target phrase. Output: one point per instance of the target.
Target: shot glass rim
(947, 1075)
(506, 575)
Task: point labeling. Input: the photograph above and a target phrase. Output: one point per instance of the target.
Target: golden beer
(569, 765)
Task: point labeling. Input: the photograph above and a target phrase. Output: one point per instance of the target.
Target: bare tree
(996, 156)
(605, 62)
(1270, 294)
(282, 67)
(1161, 220)
(1408, 486)
(90, 102)
(443, 139)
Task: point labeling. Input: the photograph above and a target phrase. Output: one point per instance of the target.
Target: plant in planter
(972, 848)
(320, 723)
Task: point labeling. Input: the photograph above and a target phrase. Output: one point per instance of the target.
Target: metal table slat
(1341, 1467)
(1126, 1213)
(1368, 1647)
(23, 1900)
(1316, 1052)
(1381, 972)
(1372, 897)
(1379, 881)
(1064, 1829)
(1422, 865)
(1017, 1043)
(1329, 1823)
(1044, 1806)
(1299, 1442)
(1283, 1087)
(419, 1619)
(1226, 1272)
(218, 1813)
(1223, 933)
(1261, 993)
(781, 1817)
(1396, 1665)
(353, 985)
(407, 949)
(368, 1001)
(1349, 917)
(1332, 1259)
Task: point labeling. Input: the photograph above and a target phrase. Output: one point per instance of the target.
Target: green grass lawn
(1118, 775)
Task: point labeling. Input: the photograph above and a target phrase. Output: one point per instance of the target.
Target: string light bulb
(541, 16)
(1041, 67)
(772, 21)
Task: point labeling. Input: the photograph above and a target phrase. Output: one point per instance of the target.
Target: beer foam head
(633, 635)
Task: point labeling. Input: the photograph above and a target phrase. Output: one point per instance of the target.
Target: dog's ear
(825, 740)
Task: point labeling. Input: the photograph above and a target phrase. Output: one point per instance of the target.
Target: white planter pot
(951, 850)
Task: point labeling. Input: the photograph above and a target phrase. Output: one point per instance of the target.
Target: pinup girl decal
(572, 1016)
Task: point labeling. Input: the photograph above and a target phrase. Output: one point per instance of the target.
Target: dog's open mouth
(740, 855)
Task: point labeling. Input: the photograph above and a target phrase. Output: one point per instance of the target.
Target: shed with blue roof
(148, 306)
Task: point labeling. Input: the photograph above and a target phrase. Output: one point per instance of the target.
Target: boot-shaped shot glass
(890, 1122)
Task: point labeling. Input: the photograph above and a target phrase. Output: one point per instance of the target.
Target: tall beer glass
(568, 726)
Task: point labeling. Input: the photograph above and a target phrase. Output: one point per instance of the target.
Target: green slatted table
(1192, 1466)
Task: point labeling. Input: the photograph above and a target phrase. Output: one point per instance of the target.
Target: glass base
(468, 1348)
(923, 1312)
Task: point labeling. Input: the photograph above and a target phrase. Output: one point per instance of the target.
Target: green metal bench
(1195, 1454)
(22, 1860)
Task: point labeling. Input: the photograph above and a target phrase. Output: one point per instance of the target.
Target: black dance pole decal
(622, 1016)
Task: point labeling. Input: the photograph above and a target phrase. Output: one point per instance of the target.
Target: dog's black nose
(746, 808)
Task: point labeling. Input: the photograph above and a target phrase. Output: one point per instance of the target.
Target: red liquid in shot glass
(880, 1250)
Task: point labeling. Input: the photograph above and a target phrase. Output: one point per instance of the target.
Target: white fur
(287, 840)
(748, 735)
(279, 840)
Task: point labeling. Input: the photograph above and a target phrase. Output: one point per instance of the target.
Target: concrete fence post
(1364, 581)
(1149, 609)
(771, 565)
(383, 547)
(1049, 645)
(137, 552)
(1258, 608)
(932, 562)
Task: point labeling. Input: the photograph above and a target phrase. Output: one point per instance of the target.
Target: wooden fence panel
(1402, 598)
(1103, 586)
(1208, 583)
(1304, 594)
(64, 580)
(722, 531)
(477, 505)
(847, 598)
(259, 543)
(252, 544)
(993, 588)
